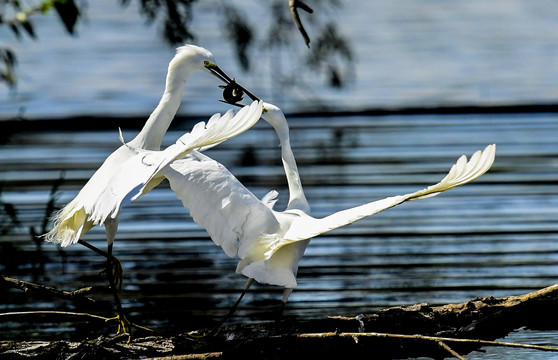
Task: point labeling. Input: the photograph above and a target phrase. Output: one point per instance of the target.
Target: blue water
(407, 53)
(497, 236)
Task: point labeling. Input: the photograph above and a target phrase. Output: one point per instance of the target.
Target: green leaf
(8, 56)
(45, 6)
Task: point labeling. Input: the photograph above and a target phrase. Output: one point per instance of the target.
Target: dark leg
(91, 247)
(114, 276)
(231, 312)
(280, 310)
(124, 326)
(117, 266)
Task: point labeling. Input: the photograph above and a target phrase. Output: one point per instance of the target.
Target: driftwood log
(406, 331)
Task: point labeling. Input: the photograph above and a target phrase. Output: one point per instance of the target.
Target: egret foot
(124, 326)
(114, 269)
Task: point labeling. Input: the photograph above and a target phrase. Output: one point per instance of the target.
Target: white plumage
(98, 202)
(129, 169)
(271, 243)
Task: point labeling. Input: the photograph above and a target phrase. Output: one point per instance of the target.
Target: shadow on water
(496, 236)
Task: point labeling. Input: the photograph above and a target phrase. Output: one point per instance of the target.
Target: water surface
(496, 236)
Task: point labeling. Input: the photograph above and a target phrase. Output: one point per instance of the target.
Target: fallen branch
(212, 355)
(399, 332)
(429, 338)
(483, 318)
(65, 313)
(28, 287)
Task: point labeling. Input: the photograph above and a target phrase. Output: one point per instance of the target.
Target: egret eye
(232, 93)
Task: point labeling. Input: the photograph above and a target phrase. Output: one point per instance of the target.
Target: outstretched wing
(218, 202)
(95, 201)
(142, 171)
(460, 173)
(218, 129)
(129, 169)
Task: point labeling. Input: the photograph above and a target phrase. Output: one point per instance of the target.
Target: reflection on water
(497, 236)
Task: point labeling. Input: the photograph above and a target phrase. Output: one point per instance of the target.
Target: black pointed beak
(233, 92)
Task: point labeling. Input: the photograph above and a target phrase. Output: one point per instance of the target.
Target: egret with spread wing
(271, 243)
(99, 201)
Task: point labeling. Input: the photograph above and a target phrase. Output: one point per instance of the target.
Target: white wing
(93, 203)
(141, 171)
(129, 169)
(219, 203)
(460, 173)
(218, 129)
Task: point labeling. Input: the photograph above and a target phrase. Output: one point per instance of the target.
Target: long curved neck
(297, 199)
(151, 135)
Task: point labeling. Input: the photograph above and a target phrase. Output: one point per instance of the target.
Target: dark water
(496, 236)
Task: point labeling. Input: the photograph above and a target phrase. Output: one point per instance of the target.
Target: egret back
(219, 203)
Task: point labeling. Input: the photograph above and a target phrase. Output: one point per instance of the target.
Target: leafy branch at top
(330, 51)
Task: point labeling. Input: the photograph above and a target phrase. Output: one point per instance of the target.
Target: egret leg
(231, 312)
(286, 293)
(117, 269)
(280, 311)
(124, 326)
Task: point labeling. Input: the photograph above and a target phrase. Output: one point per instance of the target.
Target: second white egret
(271, 243)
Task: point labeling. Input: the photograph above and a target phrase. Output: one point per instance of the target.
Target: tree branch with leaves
(330, 54)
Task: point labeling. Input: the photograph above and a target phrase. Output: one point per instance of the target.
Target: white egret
(271, 243)
(100, 200)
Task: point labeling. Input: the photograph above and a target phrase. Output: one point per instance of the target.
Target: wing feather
(218, 202)
(217, 130)
(461, 172)
(132, 171)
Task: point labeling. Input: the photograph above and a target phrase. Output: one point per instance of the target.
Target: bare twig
(76, 295)
(211, 355)
(66, 313)
(294, 5)
(429, 338)
(23, 313)
(450, 350)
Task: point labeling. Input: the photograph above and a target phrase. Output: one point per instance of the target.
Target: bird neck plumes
(152, 133)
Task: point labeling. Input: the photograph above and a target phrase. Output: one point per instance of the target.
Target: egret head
(191, 58)
(275, 117)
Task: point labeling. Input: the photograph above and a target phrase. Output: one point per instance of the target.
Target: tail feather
(69, 224)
